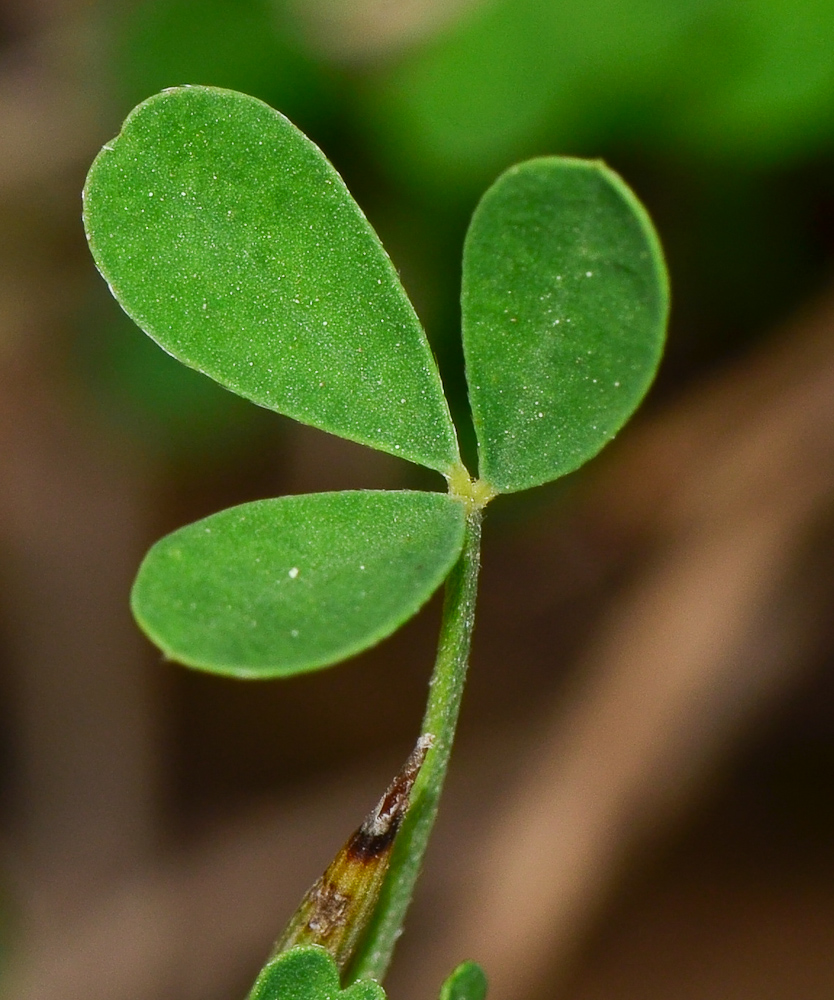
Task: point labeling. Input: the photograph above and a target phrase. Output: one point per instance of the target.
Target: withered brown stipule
(336, 910)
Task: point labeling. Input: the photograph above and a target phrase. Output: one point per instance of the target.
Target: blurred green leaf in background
(751, 81)
(245, 45)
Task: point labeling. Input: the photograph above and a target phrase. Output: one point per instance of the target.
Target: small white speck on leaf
(293, 573)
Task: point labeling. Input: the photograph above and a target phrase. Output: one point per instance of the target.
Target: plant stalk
(440, 720)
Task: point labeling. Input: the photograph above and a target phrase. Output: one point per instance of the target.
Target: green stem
(446, 688)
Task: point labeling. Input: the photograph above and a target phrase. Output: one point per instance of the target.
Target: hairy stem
(446, 688)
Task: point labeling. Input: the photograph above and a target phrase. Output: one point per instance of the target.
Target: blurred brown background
(641, 805)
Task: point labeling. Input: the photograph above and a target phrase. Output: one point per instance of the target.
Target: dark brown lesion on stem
(336, 910)
(377, 833)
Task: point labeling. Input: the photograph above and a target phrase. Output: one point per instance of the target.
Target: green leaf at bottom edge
(467, 982)
(279, 587)
(309, 974)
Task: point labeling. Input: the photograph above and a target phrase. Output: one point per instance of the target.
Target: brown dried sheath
(337, 909)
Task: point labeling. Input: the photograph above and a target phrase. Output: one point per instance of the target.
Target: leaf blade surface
(279, 587)
(308, 974)
(565, 302)
(229, 238)
(467, 982)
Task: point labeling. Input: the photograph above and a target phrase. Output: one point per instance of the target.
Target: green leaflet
(565, 301)
(309, 974)
(467, 982)
(229, 238)
(278, 587)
